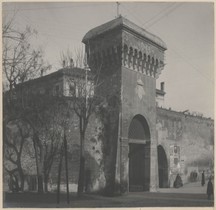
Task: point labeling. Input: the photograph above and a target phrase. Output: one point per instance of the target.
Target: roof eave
(123, 24)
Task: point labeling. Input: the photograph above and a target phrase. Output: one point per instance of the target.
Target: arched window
(130, 57)
(139, 65)
(135, 59)
(152, 67)
(125, 55)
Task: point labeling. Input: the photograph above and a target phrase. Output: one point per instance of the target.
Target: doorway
(162, 167)
(139, 154)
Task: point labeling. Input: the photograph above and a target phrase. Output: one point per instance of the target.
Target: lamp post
(86, 68)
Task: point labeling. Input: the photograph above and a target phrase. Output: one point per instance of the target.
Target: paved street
(191, 195)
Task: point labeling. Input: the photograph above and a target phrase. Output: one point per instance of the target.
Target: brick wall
(195, 137)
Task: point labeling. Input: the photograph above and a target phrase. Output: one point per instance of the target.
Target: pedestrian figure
(203, 178)
(195, 176)
(209, 189)
(178, 182)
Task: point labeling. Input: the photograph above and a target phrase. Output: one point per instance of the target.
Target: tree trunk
(22, 181)
(46, 183)
(59, 175)
(40, 183)
(39, 166)
(82, 168)
(16, 183)
(81, 176)
(66, 167)
(40, 171)
(21, 174)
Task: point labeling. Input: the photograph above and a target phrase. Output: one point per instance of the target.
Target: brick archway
(162, 167)
(139, 154)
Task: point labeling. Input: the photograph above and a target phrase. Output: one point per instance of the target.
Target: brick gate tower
(128, 60)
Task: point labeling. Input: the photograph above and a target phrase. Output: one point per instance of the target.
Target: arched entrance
(162, 167)
(139, 154)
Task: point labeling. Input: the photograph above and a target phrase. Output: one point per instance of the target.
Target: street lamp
(86, 68)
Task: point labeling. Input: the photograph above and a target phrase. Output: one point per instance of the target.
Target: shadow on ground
(137, 199)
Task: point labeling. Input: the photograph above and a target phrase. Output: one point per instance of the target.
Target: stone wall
(94, 165)
(194, 138)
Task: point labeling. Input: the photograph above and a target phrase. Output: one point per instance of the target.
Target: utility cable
(63, 7)
(194, 67)
(165, 14)
(158, 14)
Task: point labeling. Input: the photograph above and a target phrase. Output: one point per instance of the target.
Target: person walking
(178, 182)
(203, 179)
(209, 189)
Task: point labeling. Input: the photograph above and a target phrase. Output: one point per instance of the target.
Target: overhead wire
(149, 23)
(63, 7)
(166, 11)
(165, 14)
(132, 14)
(158, 14)
(186, 60)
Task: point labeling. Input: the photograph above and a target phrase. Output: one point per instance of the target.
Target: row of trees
(20, 62)
(35, 124)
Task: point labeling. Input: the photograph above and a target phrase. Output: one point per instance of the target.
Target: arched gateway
(162, 167)
(139, 154)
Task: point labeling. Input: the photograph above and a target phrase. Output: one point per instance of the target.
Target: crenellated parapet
(128, 57)
(140, 61)
(121, 43)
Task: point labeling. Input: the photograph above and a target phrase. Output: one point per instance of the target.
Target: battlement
(122, 43)
(187, 115)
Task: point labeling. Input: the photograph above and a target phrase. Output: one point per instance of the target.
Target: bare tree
(17, 133)
(52, 144)
(20, 61)
(54, 126)
(83, 102)
(46, 118)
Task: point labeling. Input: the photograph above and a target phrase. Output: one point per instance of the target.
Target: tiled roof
(121, 21)
(64, 71)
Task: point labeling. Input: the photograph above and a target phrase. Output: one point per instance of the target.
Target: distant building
(61, 82)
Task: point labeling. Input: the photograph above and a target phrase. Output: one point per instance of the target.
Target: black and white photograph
(107, 104)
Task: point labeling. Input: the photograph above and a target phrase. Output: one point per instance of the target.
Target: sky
(186, 28)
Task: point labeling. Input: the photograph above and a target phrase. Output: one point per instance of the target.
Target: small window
(56, 90)
(176, 161)
(176, 149)
(72, 90)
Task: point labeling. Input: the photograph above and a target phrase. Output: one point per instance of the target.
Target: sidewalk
(192, 188)
(190, 195)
